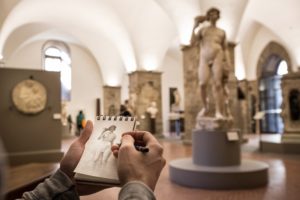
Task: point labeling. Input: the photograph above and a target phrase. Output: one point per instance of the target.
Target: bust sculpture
(152, 110)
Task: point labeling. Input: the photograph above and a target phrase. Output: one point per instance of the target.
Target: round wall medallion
(29, 96)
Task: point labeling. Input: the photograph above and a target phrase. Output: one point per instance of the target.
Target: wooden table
(26, 177)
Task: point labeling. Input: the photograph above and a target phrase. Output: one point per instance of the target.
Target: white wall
(29, 57)
(172, 76)
(87, 84)
(86, 79)
(125, 88)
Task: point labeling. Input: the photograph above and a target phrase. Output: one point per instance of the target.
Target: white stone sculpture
(29, 96)
(214, 62)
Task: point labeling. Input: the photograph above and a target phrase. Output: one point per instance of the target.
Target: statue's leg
(218, 84)
(204, 74)
(96, 156)
(106, 155)
(227, 106)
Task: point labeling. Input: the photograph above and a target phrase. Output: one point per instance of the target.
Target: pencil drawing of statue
(214, 62)
(106, 140)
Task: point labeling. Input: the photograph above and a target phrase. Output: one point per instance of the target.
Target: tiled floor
(284, 178)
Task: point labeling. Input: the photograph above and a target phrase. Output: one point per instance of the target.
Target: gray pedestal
(216, 164)
(211, 148)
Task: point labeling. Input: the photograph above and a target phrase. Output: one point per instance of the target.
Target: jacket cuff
(59, 184)
(136, 190)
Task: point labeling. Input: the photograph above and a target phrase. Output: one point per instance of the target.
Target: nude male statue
(214, 59)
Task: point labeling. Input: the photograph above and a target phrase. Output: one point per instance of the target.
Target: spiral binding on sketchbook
(115, 118)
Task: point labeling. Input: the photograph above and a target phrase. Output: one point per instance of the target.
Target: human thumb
(86, 133)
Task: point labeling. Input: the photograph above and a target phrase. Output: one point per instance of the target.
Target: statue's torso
(212, 39)
(108, 136)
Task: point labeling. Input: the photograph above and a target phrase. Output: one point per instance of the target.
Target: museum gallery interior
(216, 82)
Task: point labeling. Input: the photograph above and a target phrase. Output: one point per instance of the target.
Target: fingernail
(88, 125)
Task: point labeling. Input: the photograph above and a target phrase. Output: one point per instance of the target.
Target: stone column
(291, 107)
(243, 106)
(253, 106)
(112, 100)
(192, 99)
(232, 85)
(144, 88)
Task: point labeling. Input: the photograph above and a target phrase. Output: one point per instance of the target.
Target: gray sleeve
(58, 186)
(136, 190)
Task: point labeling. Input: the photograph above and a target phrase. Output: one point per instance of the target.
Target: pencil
(141, 148)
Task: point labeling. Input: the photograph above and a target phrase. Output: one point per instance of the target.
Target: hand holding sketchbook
(97, 163)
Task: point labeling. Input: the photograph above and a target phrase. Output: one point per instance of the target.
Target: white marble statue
(214, 62)
(152, 110)
(175, 107)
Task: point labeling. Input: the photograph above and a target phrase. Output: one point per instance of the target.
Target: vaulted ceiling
(129, 35)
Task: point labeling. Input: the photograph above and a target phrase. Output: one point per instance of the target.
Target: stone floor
(284, 177)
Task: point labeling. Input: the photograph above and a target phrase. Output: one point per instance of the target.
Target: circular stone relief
(29, 96)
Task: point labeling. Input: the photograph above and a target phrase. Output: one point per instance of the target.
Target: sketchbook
(97, 163)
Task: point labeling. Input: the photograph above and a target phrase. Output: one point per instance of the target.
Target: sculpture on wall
(132, 103)
(29, 96)
(175, 99)
(112, 110)
(149, 93)
(214, 63)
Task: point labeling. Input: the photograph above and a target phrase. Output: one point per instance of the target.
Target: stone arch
(272, 49)
(269, 94)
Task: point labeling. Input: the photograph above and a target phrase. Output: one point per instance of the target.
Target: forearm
(194, 41)
(136, 190)
(58, 186)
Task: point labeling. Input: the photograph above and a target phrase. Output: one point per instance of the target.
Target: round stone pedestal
(211, 148)
(216, 164)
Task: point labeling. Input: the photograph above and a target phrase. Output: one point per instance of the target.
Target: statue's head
(112, 128)
(153, 104)
(213, 14)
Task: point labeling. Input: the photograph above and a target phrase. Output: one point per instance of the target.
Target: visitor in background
(125, 109)
(79, 122)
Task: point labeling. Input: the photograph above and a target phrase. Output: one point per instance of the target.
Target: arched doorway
(274, 62)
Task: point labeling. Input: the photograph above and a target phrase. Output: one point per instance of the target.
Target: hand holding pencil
(136, 166)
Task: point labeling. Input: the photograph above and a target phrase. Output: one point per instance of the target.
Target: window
(271, 94)
(58, 60)
(282, 68)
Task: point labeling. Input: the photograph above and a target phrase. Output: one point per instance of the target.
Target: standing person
(138, 172)
(70, 123)
(79, 119)
(124, 109)
(214, 58)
